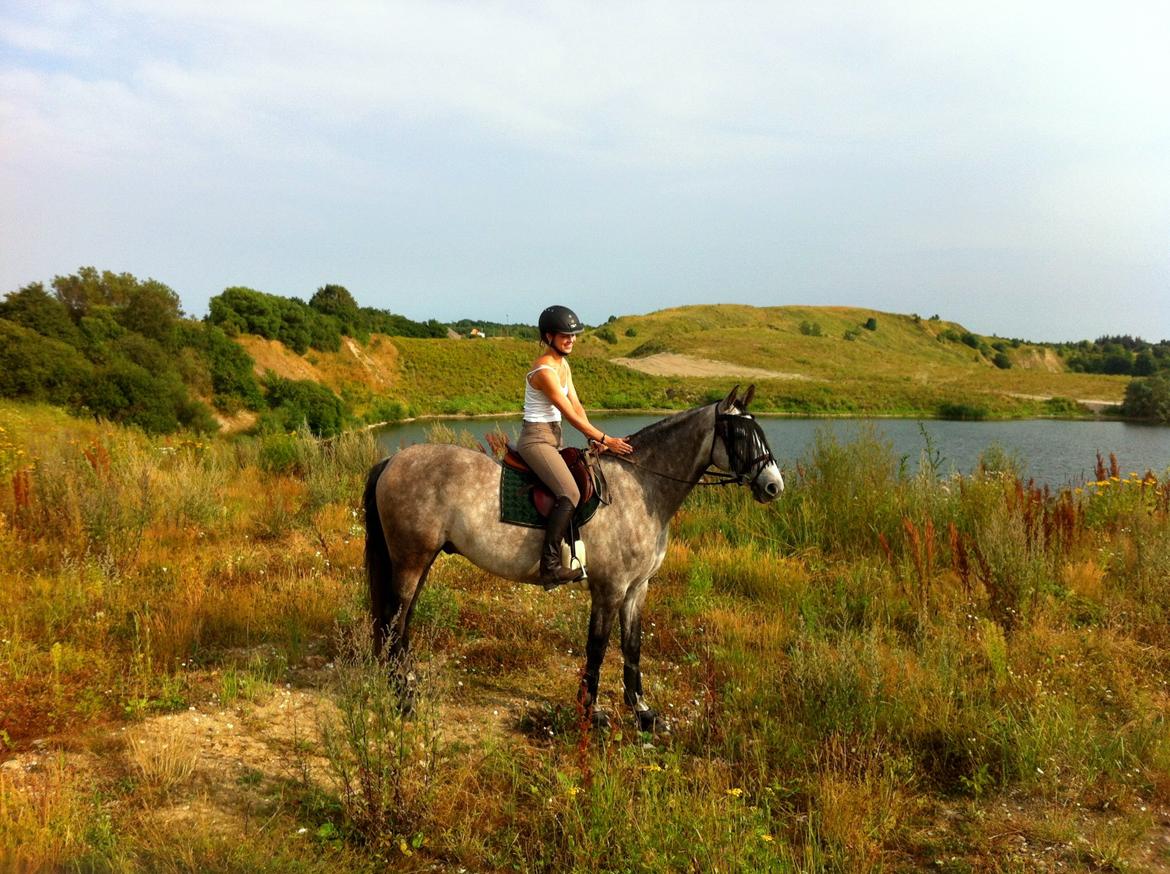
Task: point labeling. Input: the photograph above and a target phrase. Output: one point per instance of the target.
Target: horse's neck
(672, 458)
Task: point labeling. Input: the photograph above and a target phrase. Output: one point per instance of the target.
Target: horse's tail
(379, 568)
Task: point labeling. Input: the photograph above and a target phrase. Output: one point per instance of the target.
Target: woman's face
(563, 343)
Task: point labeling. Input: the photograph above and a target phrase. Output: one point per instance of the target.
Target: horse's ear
(728, 402)
(747, 398)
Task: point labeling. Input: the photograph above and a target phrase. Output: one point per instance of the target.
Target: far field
(805, 360)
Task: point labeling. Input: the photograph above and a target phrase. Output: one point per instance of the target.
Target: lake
(1050, 451)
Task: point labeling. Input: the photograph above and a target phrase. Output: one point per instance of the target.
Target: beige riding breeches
(538, 446)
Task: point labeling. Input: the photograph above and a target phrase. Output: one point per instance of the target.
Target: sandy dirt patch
(1097, 405)
(673, 364)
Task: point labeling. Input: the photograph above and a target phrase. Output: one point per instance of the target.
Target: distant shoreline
(1103, 414)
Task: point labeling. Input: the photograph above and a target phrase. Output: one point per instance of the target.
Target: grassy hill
(824, 361)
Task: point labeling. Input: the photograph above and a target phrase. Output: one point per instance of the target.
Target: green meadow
(879, 672)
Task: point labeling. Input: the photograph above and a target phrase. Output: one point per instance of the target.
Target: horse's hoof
(650, 721)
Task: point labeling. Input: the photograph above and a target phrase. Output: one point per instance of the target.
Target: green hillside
(831, 362)
(113, 347)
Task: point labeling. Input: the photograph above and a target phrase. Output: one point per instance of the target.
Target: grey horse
(432, 498)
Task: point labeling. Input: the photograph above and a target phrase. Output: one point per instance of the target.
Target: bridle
(747, 454)
(747, 450)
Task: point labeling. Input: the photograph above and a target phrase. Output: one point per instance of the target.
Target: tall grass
(881, 670)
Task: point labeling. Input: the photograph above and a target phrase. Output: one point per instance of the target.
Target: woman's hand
(615, 444)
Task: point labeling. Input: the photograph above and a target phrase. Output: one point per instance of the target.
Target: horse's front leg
(601, 616)
(631, 622)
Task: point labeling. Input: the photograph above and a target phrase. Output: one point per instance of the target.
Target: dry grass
(947, 700)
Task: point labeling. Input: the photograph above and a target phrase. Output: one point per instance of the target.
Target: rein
(724, 479)
(734, 430)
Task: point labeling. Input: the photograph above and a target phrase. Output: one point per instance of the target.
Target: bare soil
(673, 364)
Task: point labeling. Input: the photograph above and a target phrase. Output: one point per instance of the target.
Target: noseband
(747, 450)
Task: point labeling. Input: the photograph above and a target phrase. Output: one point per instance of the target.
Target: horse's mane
(654, 430)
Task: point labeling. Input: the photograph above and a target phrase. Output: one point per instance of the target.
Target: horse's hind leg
(409, 577)
(631, 627)
(392, 599)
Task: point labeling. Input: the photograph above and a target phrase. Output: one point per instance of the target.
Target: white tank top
(537, 406)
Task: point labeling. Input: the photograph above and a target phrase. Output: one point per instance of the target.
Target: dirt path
(673, 364)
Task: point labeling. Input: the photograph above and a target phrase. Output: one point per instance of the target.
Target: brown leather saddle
(542, 498)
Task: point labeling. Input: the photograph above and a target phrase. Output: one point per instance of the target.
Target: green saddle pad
(516, 507)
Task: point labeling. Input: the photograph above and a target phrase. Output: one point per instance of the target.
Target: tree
(38, 368)
(151, 309)
(85, 289)
(36, 309)
(1148, 398)
(336, 301)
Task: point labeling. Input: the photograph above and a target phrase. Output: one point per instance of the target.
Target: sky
(1003, 165)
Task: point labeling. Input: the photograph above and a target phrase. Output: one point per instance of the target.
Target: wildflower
(573, 791)
(735, 792)
(766, 838)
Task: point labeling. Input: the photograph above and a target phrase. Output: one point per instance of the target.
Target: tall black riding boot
(552, 572)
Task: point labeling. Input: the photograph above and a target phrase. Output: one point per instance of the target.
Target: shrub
(810, 329)
(606, 334)
(870, 324)
(128, 393)
(969, 339)
(1002, 361)
(297, 402)
(386, 410)
(961, 411)
(650, 347)
(631, 332)
(1148, 398)
(851, 334)
(33, 367)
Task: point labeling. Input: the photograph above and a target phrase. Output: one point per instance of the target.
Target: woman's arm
(572, 410)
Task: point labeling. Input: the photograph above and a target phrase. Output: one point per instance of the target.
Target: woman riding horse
(549, 396)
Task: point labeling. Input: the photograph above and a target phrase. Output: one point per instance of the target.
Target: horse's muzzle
(768, 485)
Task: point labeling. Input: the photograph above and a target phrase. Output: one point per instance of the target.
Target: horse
(432, 498)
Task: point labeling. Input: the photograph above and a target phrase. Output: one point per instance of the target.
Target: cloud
(825, 133)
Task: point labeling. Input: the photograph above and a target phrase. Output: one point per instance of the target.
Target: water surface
(1050, 451)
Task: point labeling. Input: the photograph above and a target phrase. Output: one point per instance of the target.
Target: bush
(38, 368)
(810, 329)
(969, 339)
(300, 402)
(631, 332)
(386, 410)
(291, 321)
(851, 334)
(1002, 361)
(231, 367)
(606, 334)
(129, 394)
(650, 347)
(1148, 398)
(870, 324)
(962, 412)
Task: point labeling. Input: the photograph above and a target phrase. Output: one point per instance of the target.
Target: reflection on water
(1052, 452)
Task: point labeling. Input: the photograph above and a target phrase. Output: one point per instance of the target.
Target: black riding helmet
(559, 320)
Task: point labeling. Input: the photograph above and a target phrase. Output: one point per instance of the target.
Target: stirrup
(552, 583)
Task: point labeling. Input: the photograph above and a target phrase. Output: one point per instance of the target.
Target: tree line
(116, 347)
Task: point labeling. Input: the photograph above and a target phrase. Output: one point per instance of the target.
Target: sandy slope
(672, 364)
